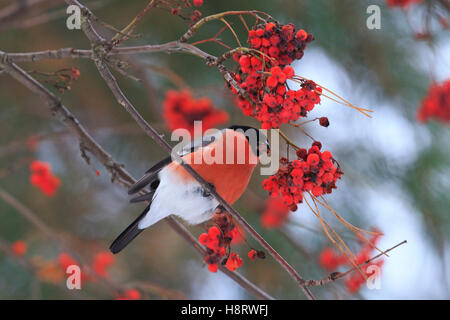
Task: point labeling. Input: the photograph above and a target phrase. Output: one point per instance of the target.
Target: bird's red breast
(230, 178)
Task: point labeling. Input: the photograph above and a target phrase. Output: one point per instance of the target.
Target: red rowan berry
(102, 261)
(270, 26)
(275, 213)
(233, 262)
(75, 73)
(324, 122)
(302, 35)
(301, 154)
(318, 144)
(330, 260)
(255, 42)
(19, 248)
(326, 155)
(313, 159)
(43, 178)
(253, 255)
(213, 267)
(288, 72)
(198, 3)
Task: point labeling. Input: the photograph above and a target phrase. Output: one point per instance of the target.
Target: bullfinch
(226, 160)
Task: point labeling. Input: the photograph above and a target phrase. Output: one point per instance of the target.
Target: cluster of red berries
(313, 171)
(280, 42)
(264, 76)
(330, 260)
(402, 3)
(273, 103)
(436, 104)
(181, 110)
(43, 178)
(275, 213)
(101, 262)
(218, 241)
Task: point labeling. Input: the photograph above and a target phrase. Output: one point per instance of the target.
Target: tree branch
(62, 53)
(105, 51)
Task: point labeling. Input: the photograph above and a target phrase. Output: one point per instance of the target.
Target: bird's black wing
(146, 196)
(150, 176)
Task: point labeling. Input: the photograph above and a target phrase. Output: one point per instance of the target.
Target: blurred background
(396, 169)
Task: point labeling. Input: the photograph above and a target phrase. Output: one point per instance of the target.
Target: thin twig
(116, 40)
(192, 30)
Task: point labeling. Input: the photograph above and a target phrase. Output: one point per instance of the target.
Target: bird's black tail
(131, 232)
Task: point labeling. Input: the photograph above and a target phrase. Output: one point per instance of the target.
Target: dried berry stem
(219, 16)
(288, 141)
(232, 31)
(325, 226)
(357, 231)
(364, 111)
(213, 39)
(339, 275)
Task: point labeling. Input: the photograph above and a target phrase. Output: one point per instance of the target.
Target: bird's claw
(205, 193)
(220, 209)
